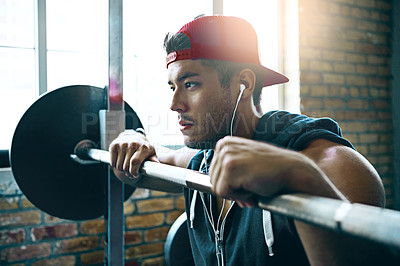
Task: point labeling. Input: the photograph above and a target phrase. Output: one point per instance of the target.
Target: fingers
(226, 174)
(129, 151)
(142, 153)
(243, 170)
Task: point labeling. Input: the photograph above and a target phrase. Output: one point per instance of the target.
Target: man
(216, 79)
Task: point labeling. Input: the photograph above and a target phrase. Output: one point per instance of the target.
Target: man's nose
(178, 102)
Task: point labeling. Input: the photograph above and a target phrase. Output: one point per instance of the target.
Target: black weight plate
(40, 153)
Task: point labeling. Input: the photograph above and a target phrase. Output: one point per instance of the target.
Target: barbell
(60, 131)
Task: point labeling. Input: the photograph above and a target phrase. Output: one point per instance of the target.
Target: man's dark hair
(225, 69)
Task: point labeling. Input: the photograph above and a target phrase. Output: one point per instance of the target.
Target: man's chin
(199, 144)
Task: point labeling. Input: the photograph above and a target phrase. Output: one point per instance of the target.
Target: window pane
(263, 16)
(17, 92)
(74, 68)
(17, 23)
(77, 41)
(75, 25)
(145, 73)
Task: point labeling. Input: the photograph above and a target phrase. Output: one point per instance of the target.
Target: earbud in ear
(242, 87)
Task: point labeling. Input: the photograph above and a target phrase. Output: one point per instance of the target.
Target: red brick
(154, 262)
(385, 5)
(333, 78)
(334, 103)
(354, 126)
(12, 236)
(129, 207)
(92, 227)
(344, 68)
(48, 219)
(385, 138)
(378, 82)
(54, 231)
(320, 66)
(368, 138)
(25, 252)
(8, 203)
(356, 80)
(380, 148)
(385, 159)
(382, 50)
(20, 218)
(365, 3)
(76, 244)
(310, 77)
(132, 263)
(384, 71)
(133, 237)
(27, 204)
(377, 38)
(366, 69)
(376, 60)
(304, 65)
(356, 58)
(354, 92)
(366, 115)
(64, 261)
(309, 53)
(380, 104)
(319, 91)
(364, 92)
(156, 234)
(96, 257)
(353, 138)
(304, 89)
(172, 216)
(155, 193)
(148, 220)
(152, 205)
(358, 103)
(366, 25)
(180, 203)
(335, 90)
(355, 35)
(144, 250)
(333, 55)
(380, 126)
(384, 28)
(365, 48)
(356, 12)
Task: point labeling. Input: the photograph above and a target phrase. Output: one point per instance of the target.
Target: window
(17, 64)
(77, 47)
(263, 16)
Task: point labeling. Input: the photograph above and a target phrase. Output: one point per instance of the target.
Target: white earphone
(242, 88)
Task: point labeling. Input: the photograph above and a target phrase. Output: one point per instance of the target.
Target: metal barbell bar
(369, 222)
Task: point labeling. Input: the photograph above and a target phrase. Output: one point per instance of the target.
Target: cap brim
(272, 78)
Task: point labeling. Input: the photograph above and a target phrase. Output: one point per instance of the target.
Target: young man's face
(204, 107)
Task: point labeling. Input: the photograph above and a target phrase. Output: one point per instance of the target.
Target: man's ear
(247, 77)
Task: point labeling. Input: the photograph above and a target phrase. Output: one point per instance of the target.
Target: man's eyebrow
(184, 76)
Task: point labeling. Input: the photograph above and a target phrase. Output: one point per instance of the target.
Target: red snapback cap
(224, 38)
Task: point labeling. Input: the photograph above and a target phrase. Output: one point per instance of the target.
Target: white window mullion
(40, 46)
(218, 7)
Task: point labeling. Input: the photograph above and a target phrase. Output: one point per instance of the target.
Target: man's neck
(245, 125)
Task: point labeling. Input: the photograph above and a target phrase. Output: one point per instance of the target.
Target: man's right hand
(128, 152)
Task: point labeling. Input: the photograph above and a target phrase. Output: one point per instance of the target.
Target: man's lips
(185, 125)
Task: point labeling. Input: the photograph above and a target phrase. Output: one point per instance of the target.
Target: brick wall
(31, 237)
(345, 52)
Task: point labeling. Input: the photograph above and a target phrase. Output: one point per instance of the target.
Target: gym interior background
(342, 57)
